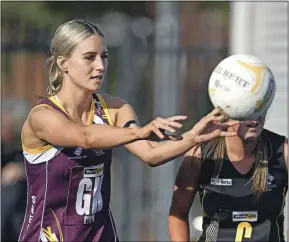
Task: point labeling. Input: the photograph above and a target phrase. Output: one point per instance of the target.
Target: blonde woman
(67, 140)
(242, 182)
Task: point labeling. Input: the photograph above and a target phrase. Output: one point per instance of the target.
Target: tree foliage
(53, 12)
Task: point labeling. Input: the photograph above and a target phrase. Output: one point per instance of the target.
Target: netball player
(242, 182)
(67, 140)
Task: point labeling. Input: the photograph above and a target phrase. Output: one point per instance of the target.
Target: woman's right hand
(155, 130)
(212, 126)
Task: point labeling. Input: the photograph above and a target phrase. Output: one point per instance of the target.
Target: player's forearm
(170, 150)
(179, 229)
(104, 136)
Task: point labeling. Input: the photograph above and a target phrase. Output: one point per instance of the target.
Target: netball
(242, 86)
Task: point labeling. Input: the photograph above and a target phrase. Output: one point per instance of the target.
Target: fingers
(227, 134)
(216, 112)
(165, 127)
(215, 134)
(222, 119)
(175, 137)
(168, 123)
(221, 126)
(172, 121)
(161, 125)
(207, 137)
(210, 119)
(233, 123)
(179, 117)
(158, 132)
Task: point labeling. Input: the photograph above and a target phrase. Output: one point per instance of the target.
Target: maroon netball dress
(69, 188)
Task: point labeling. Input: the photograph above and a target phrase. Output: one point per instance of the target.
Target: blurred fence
(138, 55)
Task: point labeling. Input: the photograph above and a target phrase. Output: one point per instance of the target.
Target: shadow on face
(249, 130)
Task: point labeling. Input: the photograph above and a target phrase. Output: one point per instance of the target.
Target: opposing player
(242, 182)
(67, 140)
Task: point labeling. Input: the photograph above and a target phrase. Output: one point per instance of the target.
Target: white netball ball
(242, 86)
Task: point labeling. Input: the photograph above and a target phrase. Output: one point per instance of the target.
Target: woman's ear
(62, 63)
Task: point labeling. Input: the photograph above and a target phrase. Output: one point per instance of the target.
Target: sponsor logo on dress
(77, 153)
(99, 152)
(221, 182)
(32, 210)
(93, 171)
(270, 183)
(248, 216)
(89, 219)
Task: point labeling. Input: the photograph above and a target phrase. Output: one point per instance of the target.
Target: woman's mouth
(98, 77)
(252, 125)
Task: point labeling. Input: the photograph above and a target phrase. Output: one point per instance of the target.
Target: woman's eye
(91, 58)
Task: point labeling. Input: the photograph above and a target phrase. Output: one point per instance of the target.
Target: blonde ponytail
(260, 176)
(55, 76)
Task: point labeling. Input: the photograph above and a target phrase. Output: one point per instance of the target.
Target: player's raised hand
(156, 129)
(211, 126)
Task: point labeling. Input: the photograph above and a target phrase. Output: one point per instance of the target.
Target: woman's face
(249, 129)
(87, 64)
